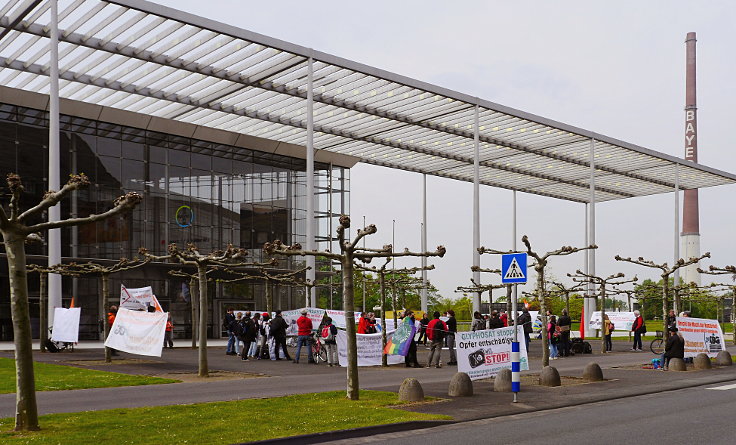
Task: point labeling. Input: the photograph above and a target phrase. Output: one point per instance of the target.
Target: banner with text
(66, 324)
(338, 317)
(622, 321)
(482, 354)
(138, 332)
(314, 314)
(701, 335)
(136, 299)
(370, 350)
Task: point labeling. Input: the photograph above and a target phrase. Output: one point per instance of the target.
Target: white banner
(338, 318)
(390, 324)
(135, 299)
(622, 321)
(66, 324)
(370, 349)
(314, 314)
(138, 332)
(482, 354)
(701, 335)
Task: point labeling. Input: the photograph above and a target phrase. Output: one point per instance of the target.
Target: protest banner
(314, 314)
(338, 317)
(701, 335)
(66, 324)
(136, 299)
(400, 340)
(390, 324)
(370, 350)
(138, 332)
(622, 321)
(482, 354)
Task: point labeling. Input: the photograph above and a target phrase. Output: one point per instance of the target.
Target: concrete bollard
(677, 364)
(549, 377)
(702, 361)
(411, 391)
(724, 359)
(592, 373)
(502, 382)
(460, 385)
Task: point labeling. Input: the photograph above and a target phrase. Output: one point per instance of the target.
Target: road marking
(724, 388)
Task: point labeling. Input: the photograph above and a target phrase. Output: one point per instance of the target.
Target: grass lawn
(51, 377)
(219, 422)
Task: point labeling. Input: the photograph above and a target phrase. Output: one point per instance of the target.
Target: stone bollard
(702, 361)
(460, 385)
(411, 391)
(724, 359)
(549, 377)
(502, 382)
(677, 364)
(592, 373)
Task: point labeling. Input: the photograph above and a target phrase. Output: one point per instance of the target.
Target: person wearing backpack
(228, 323)
(638, 327)
(436, 330)
(329, 334)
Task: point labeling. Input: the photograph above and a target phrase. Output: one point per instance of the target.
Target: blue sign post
(513, 271)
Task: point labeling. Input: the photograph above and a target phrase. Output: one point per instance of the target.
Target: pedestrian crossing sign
(513, 268)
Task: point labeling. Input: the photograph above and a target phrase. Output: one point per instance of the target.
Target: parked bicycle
(319, 352)
(657, 345)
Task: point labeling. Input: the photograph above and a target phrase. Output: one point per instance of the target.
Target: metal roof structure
(138, 56)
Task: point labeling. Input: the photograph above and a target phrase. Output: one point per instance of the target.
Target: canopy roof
(146, 58)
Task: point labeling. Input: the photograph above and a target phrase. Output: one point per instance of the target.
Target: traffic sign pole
(513, 271)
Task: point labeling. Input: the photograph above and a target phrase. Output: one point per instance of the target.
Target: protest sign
(400, 340)
(370, 350)
(138, 332)
(701, 335)
(66, 324)
(482, 354)
(622, 321)
(314, 314)
(140, 298)
(338, 317)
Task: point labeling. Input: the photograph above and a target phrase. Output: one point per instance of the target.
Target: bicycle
(657, 345)
(319, 352)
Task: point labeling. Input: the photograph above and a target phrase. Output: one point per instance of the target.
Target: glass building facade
(194, 191)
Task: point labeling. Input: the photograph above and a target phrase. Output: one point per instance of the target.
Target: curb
(355, 432)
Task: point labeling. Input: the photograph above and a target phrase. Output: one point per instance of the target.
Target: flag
(71, 305)
(400, 341)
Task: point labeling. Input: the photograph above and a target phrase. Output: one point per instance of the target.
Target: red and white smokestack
(690, 236)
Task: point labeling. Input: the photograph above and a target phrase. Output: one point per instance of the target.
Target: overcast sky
(616, 68)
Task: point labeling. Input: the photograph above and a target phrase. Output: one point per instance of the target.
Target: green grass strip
(50, 377)
(218, 422)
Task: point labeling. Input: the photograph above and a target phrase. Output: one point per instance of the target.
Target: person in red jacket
(637, 327)
(168, 334)
(304, 325)
(436, 330)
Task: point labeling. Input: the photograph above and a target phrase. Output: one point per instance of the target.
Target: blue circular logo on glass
(184, 216)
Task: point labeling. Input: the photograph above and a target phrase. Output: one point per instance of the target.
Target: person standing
(228, 323)
(607, 332)
(110, 321)
(278, 332)
(410, 361)
(552, 336)
(423, 329)
(329, 335)
(564, 323)
(168, 333)
(451, 331)
(304, 326)
(638, 328)
(478, 323)
(495, 321)
(525, 320)
(671, 322)
(504, 319)
(248, 335)
(436, 330)
(256, 323)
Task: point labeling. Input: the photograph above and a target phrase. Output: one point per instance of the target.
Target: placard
(483, 354)
(66, 324)
(622, 321)
(370, 349)
(701, 335)
(138, 332)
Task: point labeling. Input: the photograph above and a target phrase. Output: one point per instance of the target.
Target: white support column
(424, 243)
(310, 181)
(676, 275)
(54, 214)
(586, 306)
(591, 307)
(476, 207)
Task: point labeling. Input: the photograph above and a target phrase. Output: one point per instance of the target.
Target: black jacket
(452, 325)
(278, 327)
(495, 323)
(675, 347)
(525, 319)
(564, 320)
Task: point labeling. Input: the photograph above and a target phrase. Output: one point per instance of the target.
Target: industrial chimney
(690, 236)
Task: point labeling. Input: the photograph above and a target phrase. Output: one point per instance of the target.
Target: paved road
(687, 416)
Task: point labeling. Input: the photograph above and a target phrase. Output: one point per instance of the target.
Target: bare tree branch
(123, 204)
(51, 198)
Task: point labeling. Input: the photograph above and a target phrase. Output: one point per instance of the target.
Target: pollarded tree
(270, 277)
(16, 231)
(349, 253)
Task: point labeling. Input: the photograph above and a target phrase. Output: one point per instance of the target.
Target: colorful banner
(314, 314)
(138, 332)
(701, 335)
(622, 321)
(338, 317)
(399, 342)
(137, 299)
(370, 350)
(66, 324)
(482, 354)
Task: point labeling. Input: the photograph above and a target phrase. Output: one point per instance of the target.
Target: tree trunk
(543, 312)
(105, 279)
(665, 293)
(193, 301)
(26, 410)
(382, 281)
(202, 274)
(269, 297)
(353, 388)
(508, 303)
(733, 312)
(43, 311)
(603, 316)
